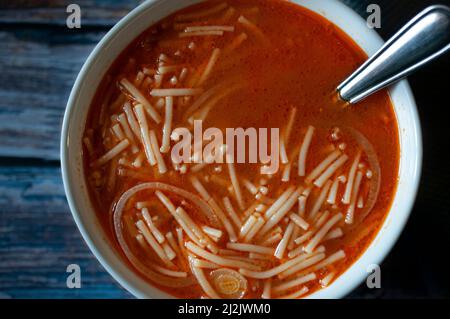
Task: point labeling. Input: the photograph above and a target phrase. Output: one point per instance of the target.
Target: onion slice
(375, 181)
(117, 224)
(229, 283)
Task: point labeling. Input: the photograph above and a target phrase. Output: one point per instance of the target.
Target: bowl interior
(129, 28)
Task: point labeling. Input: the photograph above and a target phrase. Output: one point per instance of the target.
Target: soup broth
(228, 230)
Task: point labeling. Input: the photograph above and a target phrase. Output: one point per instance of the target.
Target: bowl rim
(117, 272)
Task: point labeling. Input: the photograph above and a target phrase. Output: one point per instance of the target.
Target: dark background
(39, 60)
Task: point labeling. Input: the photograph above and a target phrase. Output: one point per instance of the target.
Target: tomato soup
(196, 218)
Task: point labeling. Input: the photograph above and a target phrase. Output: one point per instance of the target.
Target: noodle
(145, 137)
(141, 99)
(116, 150)
(167, 129)
(304, 151)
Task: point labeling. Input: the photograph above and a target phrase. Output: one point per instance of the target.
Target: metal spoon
(421, 40)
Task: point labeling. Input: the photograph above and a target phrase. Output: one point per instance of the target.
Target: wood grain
(38, 69)
(39, 239)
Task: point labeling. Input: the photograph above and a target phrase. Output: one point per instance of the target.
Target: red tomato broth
(305, 59)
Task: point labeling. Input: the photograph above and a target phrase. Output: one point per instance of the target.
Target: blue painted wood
(38, 69)
(39, 239)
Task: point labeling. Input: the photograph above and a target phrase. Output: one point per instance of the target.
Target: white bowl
(117, 39)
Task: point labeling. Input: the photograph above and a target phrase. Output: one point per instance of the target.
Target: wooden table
(39, 60)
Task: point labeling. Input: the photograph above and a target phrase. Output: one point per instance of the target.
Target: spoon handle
(421, 40)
